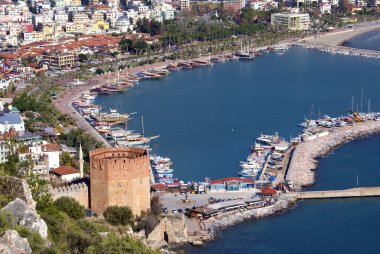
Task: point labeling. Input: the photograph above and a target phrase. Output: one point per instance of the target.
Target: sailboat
(136, 140)
(244, 55)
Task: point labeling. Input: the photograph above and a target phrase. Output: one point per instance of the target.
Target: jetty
(348, 193)
(340, 50)
(304, 161)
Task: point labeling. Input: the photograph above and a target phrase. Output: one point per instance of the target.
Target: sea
(207, 119)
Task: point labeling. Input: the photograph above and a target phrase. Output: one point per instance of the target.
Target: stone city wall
(79, 192)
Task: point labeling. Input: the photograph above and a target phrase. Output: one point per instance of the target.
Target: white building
(258, 5)
(65, 173)
(123, 24)
(291, 21)
(52, 151)
(10, 120)
(324, 8)
(4, 151)
(44, 156)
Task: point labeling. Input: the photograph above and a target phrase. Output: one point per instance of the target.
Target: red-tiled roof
(216, 181)
(64, 170)
(268, 191)
(229, 179)
(159, 186)
(53, 147)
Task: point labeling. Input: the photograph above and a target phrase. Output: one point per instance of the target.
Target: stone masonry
(79, 192)
(120, 177)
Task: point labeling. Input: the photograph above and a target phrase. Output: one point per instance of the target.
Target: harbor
(253, 189)
(112, 126)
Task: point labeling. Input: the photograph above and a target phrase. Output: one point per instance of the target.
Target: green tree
(118, 215)
(125, 45)
(82, 57)
(65, 159)
(141, 47)
(99, 71)
(71, 207)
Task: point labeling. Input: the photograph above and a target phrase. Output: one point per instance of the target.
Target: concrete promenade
(348, 193)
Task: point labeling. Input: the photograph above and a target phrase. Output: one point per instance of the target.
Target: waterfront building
(268, 191)
(231, 184)
(290, 21)
(120, 177)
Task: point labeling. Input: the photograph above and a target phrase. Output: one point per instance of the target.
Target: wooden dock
(348, 193)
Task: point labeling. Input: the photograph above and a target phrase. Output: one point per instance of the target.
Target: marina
(265, 166)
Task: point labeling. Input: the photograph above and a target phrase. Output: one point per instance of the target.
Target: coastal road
(63, 103)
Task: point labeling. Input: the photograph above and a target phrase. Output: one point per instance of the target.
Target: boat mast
(142, 124)
(361, 101)
(311, 111)
(369, 105)
(352, 104)
(357, 179)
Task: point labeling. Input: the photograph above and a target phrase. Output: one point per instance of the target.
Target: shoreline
(337, 37)
(301, 169)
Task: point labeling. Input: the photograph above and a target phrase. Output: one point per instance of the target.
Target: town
(67, 162)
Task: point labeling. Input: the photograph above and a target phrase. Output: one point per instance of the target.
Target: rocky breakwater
(306, 154)
(225, 220)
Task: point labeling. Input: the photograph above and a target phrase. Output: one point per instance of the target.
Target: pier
(341, 50)
(348, 193)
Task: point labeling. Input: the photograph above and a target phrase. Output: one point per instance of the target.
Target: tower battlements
(120, 176)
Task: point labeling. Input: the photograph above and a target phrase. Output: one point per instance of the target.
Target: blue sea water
(208, 118)
(369, 40)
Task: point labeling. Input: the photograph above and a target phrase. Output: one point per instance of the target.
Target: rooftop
(10, 118)
(64, 170)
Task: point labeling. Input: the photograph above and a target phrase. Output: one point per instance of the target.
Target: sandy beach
(338, 37)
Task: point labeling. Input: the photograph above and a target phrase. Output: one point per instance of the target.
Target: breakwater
(306, 154)
(340, 50)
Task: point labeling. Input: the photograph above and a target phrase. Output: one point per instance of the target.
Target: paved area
(176, 201)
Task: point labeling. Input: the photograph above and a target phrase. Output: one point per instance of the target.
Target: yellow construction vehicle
(357, 118)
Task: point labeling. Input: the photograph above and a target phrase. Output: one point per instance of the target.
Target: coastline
(339, 37)
(300, 172)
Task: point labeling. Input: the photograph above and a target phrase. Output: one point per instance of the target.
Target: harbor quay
(349, 193)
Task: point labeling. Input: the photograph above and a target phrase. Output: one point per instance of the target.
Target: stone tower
(120, 176)
(81, 160)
